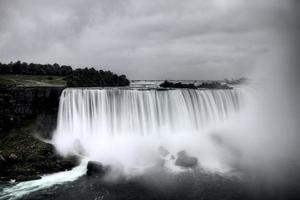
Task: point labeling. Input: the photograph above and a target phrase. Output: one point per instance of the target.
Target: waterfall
(102, 121)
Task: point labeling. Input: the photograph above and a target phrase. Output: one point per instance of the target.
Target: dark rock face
(20, 104)
(24, 157)
(183, 160)
(96, 168)
(25, 112)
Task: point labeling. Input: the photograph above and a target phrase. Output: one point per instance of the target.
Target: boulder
(183, 160)
(96, 168)
(68, 162)
(12, 157)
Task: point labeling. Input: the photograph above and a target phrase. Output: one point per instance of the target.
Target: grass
(31, 80)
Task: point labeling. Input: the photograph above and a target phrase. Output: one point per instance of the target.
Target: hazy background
(169, 39)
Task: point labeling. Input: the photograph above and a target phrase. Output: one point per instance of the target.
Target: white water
(23, 188)
(126, 127)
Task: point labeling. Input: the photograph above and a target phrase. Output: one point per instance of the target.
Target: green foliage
(34, 69)
(93, 78)
(87, 77)
(12, 80)
(168, 84)
(205, 85)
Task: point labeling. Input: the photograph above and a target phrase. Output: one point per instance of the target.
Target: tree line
(205, 85)
(87, 77)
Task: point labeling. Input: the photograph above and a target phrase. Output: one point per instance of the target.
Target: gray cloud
(172, 39)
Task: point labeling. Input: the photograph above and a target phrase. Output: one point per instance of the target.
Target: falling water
(127, 125)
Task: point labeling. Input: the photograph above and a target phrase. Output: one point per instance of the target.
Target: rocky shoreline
(24, 157)
(26, 114)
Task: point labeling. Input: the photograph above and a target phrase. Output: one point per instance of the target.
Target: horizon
(148, 40)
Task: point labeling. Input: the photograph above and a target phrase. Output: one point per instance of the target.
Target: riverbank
(26, 114)
(24, 157)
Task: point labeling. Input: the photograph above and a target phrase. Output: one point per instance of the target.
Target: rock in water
(183, 160)
(95, 168)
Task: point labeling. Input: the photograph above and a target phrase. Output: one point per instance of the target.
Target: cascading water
(127, 126)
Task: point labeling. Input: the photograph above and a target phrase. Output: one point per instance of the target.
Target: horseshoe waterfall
(128, 125)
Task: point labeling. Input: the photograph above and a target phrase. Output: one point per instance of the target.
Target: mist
(244, 137)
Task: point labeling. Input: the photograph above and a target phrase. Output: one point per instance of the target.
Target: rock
(2, 159)
(68, 162)
(163, 151)
(183, 160)
(12, 157)
(28, 158)
(95, 168)
(20, 104)
(27, 178)
(2, 162)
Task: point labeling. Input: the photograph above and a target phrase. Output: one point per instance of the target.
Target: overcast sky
(144, 39)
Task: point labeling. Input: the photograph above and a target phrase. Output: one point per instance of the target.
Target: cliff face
(20, 104)
(24, 113)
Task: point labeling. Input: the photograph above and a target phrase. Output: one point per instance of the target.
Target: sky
(157, 39)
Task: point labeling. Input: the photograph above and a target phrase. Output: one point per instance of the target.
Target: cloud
(172, 39)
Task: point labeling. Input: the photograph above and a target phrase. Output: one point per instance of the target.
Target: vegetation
(214, 85)
(206, 85)
(87, 77)
(167, 84)
(11, 80)
(236, 81)
(93, 78)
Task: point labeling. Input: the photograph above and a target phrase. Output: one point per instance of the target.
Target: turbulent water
(124, 128)
(127, 125)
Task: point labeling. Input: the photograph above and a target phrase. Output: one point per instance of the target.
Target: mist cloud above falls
(143, 39)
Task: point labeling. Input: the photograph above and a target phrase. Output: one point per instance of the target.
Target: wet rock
(27, 178)
(96, 168)
(25, 157)
(183, 160)
(13, 157)
(69, 162)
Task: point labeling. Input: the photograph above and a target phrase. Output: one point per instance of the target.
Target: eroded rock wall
(20, 104)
